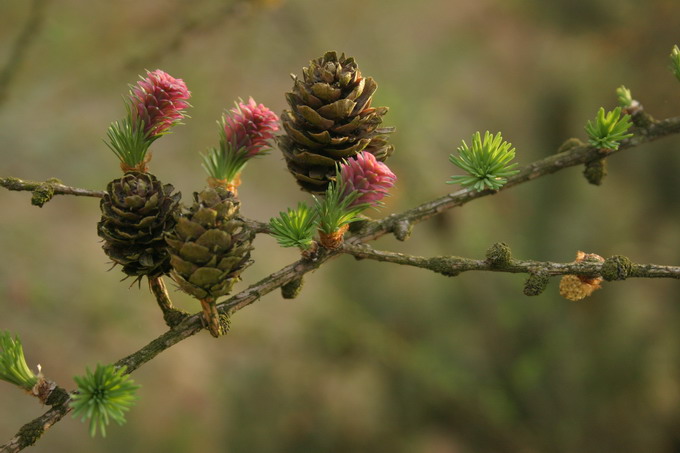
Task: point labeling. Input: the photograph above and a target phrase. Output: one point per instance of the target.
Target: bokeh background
(371, 357)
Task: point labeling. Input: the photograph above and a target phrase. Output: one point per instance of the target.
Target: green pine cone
(137, 210)
(330, 119)
(209, 247)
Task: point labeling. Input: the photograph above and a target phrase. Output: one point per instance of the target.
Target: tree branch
(453, 265)
(56, 186)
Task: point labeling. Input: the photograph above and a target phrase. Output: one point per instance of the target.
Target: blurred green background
(371, 357)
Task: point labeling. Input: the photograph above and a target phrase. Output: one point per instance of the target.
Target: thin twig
(454, 265)
(59, 188)
(21, 46)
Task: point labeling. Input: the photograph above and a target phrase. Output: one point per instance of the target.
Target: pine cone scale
(337, 110)
(182, 266)
(325, 92)
(195, 253)
(188, 230)
(216, 241)
(314, 118)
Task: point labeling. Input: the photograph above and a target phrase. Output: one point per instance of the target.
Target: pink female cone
(249, 126)
(159, 100)
(365, 174)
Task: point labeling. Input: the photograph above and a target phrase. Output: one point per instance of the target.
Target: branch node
(292, 289)
(498, 255)
(42, 194)
(30, 433)
(617, 267)
(595, 171)
(402, 230)
(311, 253)
(43, 389)
(174, 317)
(57, 397)
(536, 283)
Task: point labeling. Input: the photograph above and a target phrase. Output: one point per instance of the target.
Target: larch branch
(400, 224)
(56, 185)
(454, 265)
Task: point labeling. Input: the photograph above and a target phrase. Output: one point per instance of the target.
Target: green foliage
(128, 140)
(608, 129)
(225, 162)
(105, 394)
(295, 228)
(486, 162)
(675, 61)
(337, 209)
(624, 96)
(13, 367)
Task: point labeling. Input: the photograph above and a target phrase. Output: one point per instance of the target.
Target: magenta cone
(250, 126)
(159, 100)
(371, 178)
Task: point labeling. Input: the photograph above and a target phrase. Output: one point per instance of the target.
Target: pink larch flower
(250, 126)
(159, 100)
(363, 173)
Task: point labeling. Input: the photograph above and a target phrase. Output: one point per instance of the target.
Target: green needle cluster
(487, 162)
(337, 209)
(675, 62)
(224, 163)
(103, 395)
(295, 228)
(13, 367)
(624, 96)
(129, 141)
(227, 161)
(608, 129)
